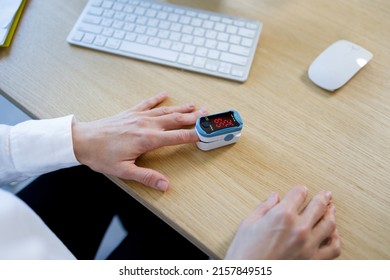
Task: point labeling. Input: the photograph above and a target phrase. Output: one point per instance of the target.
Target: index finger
(175, 137)
(295, 198)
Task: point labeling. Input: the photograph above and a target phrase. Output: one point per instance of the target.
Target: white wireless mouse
(337, 64)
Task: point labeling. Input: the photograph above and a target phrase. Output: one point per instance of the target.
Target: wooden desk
(294, 132)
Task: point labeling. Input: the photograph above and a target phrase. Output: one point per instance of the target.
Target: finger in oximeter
(218, 130)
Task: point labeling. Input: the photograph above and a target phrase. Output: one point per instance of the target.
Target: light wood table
(293, 133)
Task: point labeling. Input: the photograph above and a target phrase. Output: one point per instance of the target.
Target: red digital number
(220, 122)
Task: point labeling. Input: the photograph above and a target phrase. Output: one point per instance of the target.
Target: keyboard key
(247, 42)
(186, 59)
(100, 40)
(113, 43)
(200, 62)
(237, 72)
(90, 28)
(88, 38)
(96, 11)
(211, 65)
(225, 68)
(247, 32)
(239, 50)
(149, 51)
(213, 54)
(77, 36)
(92, 19)
(235, 59)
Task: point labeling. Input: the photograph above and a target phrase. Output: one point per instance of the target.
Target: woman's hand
(281, 230)
(112, 145)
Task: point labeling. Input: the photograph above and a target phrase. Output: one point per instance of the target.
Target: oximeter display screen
(217, 122)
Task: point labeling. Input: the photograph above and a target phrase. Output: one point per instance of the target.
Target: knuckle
(166, 110)
(285, 216)
(182, 136)
(148, 178)
(179, 118)
(135, 135)
(141, 121)
(301, 233)
(328, 220)
(144, 139)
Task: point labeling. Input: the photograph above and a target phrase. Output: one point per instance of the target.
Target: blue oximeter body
(218, 130)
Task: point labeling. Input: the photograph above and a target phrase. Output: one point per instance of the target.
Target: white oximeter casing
(218, 130)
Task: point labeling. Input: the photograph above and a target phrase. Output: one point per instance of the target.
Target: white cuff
(41, 146)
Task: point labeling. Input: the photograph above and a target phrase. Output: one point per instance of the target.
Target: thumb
(148, 177)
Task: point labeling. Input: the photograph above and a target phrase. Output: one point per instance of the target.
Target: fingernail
(191, 105)
(203, 111)
(162, 185)
(163, 93)
(273, 196)
(328, 195)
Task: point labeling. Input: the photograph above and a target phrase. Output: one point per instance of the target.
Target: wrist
(80, 141)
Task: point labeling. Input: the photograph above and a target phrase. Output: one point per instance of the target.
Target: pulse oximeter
(218, 130)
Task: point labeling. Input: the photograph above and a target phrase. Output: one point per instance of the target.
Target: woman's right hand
(280, 229)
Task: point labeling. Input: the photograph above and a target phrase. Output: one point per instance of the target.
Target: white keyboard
(177, 36)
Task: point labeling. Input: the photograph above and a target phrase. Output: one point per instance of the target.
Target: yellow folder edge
(11, 32)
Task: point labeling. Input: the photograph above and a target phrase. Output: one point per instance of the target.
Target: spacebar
(149, 51)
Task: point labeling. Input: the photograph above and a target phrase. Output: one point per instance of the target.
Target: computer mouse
(337, 64)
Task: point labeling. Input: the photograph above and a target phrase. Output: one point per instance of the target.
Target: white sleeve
(35, 147)
(24, 235)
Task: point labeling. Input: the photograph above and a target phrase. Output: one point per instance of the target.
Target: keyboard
(178, 36)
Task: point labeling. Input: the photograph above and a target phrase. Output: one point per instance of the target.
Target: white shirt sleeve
(35, 147)
(24, 235)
